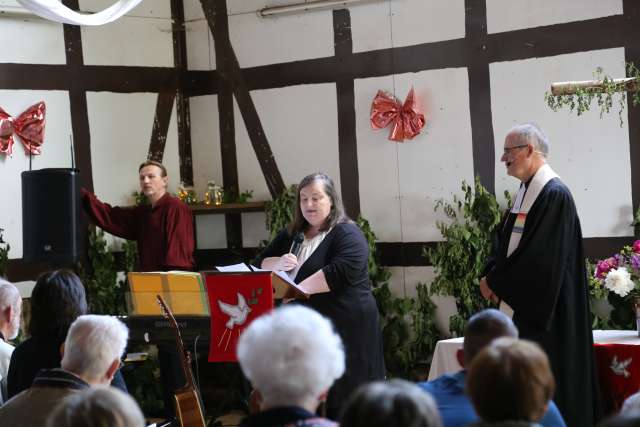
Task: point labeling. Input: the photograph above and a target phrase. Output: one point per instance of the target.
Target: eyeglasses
(508, 150)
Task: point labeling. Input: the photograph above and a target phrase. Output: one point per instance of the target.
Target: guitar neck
(185, 360)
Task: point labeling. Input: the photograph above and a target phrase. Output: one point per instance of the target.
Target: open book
(282, 283)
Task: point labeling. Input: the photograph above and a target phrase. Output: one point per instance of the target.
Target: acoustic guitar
(188, 409)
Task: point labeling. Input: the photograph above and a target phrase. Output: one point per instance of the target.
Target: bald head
(483, 328)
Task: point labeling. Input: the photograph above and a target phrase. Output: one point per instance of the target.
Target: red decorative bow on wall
(29, 126)
(407, 121)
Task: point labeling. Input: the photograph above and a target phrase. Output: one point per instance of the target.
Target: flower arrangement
(617, 280)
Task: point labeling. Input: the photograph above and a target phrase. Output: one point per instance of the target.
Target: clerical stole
(525, 198)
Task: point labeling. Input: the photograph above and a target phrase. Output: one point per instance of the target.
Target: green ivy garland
(581, 100)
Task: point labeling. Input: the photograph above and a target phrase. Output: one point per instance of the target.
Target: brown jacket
(33, 406)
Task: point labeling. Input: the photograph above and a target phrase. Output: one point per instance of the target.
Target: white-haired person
(292, 356)
(99, 406)
(395, 403)
(10, 309)
(91, 356)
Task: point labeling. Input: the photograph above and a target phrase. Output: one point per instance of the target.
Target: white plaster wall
(207, 165)
(30, 39)
(301, 125)
(140, 38)
(405, 22)
(590, 154)
(400, 183)
(260, 41)
(507, 15)
(55, 154)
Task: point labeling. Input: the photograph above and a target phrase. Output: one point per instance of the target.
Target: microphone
(297, 244)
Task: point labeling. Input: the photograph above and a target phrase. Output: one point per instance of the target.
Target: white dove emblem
(620, 368)
(237, 313)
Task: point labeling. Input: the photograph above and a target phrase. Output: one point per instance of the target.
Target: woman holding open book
(326, 254)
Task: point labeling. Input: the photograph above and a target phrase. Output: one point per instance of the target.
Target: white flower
(619, 281)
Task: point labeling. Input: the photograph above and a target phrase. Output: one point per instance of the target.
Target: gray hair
(10, 297)
(390, 404)
(530, 133)
(291, 355)
(92, 344)
(99, 406)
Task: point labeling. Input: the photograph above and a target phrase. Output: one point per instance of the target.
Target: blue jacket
(456, 408)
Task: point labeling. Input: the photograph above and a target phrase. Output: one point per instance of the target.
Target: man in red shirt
(163, 229)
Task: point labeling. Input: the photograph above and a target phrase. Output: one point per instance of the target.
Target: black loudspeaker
(51, 216)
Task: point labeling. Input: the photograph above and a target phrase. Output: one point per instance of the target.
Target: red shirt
(164, 232)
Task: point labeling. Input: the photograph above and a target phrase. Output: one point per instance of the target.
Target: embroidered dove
(237, 313)
(620, 368)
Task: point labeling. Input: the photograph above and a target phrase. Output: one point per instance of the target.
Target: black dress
(544, 280)
(350, 305)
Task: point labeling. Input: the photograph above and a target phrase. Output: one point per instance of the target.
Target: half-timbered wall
(256, 103)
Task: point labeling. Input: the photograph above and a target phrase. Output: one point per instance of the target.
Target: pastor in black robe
(349, 304)
(545, 282)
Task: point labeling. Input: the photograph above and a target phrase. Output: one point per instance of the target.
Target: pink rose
(602, 268)
(636, 246)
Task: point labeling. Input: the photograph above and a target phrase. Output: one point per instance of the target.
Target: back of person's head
(630, 418)
(510, 380)
(10, 301)
(483, 328)
(291, 356)
(92, 346)
(58, 298)
(395, 403)
(98, 406)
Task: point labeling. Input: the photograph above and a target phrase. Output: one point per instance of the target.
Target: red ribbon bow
(407, 121)
(29, 126)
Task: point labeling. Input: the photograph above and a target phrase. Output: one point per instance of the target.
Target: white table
(445, 361)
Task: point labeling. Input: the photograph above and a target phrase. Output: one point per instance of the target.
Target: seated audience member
(449, 389)
(510, 384)
(631, 403)
(97, 407)
(10, 308)
(630, 418)
(91, 356)
(291, 356)
(57, 299)
(395, 403)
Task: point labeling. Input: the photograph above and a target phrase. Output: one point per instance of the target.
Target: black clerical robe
(544, 280)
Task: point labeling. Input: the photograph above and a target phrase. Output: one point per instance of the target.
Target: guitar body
(188, 408)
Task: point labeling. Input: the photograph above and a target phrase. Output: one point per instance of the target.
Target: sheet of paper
(232, 268)
(254, 268)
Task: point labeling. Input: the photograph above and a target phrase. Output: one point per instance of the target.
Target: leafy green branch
(578, 96)
(459, 261)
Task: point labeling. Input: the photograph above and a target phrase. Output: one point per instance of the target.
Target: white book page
(232, 268)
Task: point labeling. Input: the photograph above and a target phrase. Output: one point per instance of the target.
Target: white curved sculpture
(54, 10)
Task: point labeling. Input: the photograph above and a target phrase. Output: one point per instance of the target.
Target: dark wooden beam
(164, 105)
(182, 102)
(215, 12)
(92, 78)
(233, 222)
(632, 54)
(480, 93)
(347, 141)
(78, 101)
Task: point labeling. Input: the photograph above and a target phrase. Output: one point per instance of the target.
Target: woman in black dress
(331, 265)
